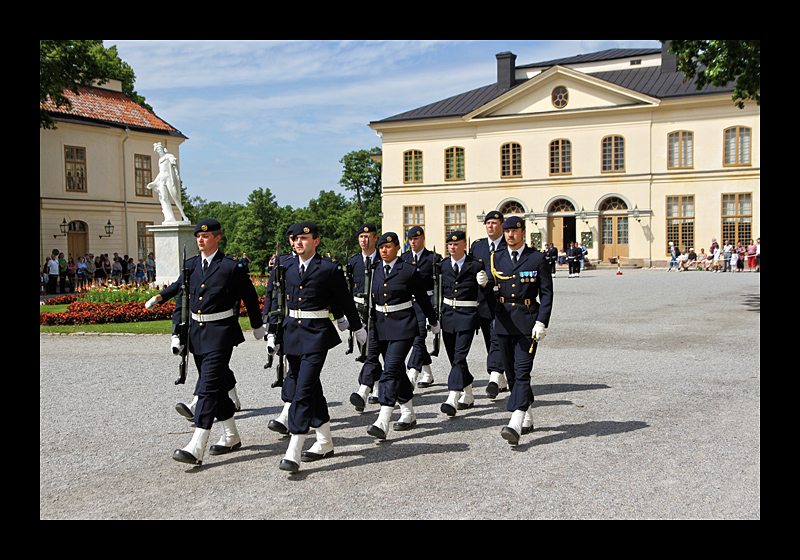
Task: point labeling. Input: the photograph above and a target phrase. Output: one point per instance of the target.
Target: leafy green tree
(719, 63)
(257, 229)
(362, 174)
(68, 64)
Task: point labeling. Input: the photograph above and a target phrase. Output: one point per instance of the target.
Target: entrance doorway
(77, 243)
(561, 225)
(613, 228)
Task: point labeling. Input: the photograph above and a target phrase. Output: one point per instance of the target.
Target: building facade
(93, 171)
(613, 149)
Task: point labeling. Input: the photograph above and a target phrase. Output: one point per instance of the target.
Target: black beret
(290, 230)
(493, 215)
(368, 228)
(388, 237)
(514, 223)
(456, 236)
(415, 231)
(305, 227)
(209, 224)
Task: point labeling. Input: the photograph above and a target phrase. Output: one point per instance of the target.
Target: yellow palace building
(614, 149)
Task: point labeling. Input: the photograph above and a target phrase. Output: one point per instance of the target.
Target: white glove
(151, 303)
(271, 346)
(482, 278)
(260, 332)
(361, 336)
(176, 345)
(436, 329)
(342, 323)
(538, 331)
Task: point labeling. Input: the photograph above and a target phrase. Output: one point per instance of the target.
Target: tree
(362, 174)
(256, 229)
(719, 63)
(68, 64)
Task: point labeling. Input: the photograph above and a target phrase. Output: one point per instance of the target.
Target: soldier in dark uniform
(551, 255)
(521, 275)
(371, 370)
(462, 279)
(313, 283)
(574, 258)
(395, 283)
(278, 424)
(422, 259)
(481, 250)
(216, 285)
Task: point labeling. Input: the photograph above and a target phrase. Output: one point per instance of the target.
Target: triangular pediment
(585, 93)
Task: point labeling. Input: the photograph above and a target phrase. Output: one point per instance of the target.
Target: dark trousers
(574, 265)
(493, 360)
(395, 387)
(519, 364)
(419, 353)
(303, 388)
(371, 370)
(212, 388)
(457, 345)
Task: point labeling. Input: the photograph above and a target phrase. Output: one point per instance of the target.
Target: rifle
(350, 288)
(366, 313)
(279, 286)
(183, 327)
(437, 298)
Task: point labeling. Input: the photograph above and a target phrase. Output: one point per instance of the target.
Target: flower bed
(89, 313)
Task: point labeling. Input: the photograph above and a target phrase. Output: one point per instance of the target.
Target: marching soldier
(462, 279)
(481, 250)
(371, 370)
(313, 283)
(395, 283)
(521, 275)
(422, 259)
(216, 286)
(278, 424)
(551, 254)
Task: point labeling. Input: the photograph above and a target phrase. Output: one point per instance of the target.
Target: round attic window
(560, 97)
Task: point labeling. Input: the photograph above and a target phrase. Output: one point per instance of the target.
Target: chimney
(669, 62)
(505, 70)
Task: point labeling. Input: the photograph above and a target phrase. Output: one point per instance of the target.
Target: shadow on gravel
(568, 431)
(752, 302)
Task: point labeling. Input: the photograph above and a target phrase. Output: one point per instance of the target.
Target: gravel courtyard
(647, 406)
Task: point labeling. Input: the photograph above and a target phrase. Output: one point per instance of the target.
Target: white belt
(358, 300)
(298, 314)
(391, 308)
(207, 317)
(454, 303)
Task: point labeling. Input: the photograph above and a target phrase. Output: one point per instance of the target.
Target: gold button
(202, 285)
(513, 285)
(201, 298)
(201, 324)
(384, 284)
(301, 287)
(299, 299)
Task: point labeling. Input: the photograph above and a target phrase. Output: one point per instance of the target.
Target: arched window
(613, 203)
(737, 146)
(560, 157)
(412, 166)
(561, 205)
(512, 207)
(454, 164)
(613, 154)
(511, 160)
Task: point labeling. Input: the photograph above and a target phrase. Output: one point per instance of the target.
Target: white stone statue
(168, 183)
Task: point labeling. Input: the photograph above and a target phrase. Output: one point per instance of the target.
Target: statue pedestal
(169, 241)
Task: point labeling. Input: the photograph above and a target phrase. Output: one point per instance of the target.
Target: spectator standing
(727, 251)
(751, 256)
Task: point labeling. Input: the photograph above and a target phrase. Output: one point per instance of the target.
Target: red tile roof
(108, 106)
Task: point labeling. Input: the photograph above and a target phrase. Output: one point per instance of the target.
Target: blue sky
(281, 114)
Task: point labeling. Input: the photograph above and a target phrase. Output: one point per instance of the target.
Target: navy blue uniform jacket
(403, 282)
(464, 287)
(323, 285)
(480, 251)
(525, 296)
(224, 286)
